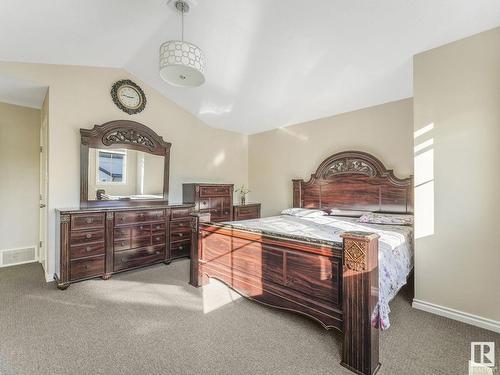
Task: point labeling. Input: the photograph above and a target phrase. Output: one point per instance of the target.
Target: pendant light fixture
(181, 63)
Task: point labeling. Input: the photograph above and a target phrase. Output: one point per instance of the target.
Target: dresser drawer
(220, 212)
(141, 230)
(217, 203)
(138, 217)
(88, 236)
(158, 239)
(122, 233)
(220, 215)
(179, 236)
(91, 249)
(214, 191)
(138, 257)
(123, 244)
(178, 213)
(87, 221)
(180, 249)
(158, 227)
(220, 219)
(140, 242)
(85, 268)
(180, 225)
(247, 212)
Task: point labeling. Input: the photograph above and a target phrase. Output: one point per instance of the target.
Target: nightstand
(246, 211)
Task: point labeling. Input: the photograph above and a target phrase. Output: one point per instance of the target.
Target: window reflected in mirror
(111, 166)
(122, 174)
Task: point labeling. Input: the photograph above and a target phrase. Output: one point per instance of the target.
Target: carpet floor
(151, 321)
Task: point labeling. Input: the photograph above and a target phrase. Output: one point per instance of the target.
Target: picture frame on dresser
(117, 232)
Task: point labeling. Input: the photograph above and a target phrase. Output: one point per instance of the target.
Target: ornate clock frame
(114, 95)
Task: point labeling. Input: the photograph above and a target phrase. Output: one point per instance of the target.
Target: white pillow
(303, 212)
(349, 213)
(391, 219)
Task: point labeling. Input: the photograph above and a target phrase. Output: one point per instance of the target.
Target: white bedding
(395, 248)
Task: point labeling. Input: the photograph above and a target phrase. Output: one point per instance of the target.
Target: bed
(326, 267)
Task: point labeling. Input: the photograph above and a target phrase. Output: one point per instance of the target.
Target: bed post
(359, 299)
(195, 278)
(297, 193)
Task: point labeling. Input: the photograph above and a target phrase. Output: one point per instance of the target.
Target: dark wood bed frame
(333, 283)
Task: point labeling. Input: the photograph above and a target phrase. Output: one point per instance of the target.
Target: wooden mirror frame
(122, 134)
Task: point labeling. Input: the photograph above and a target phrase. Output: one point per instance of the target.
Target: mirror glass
(121, 174)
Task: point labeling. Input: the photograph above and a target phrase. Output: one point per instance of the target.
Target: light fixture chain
(182, 23)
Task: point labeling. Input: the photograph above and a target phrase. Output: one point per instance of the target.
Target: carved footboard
(338, 289)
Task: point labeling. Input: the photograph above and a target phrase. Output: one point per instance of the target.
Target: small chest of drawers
(246, 211)
(215, 199)
(102, 242)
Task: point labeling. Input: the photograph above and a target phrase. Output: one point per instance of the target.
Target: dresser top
(75, 210)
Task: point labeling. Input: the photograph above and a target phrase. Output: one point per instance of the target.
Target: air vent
(18, 256)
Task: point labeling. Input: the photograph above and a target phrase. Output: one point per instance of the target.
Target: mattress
(395, 248)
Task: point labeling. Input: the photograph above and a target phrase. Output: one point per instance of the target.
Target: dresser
(100, 242)
(215, 199)
(246, 211)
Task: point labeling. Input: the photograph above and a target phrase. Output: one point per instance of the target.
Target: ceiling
(270, 63)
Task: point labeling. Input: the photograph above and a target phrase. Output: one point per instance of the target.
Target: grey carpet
(151, 321)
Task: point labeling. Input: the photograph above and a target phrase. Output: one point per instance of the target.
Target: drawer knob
(123, 243)
(124, 260)
(88, 235)
(157, 252)
(158, 227)
(157, 238)
(141, 227)
(86, 267)
(181, 225)
(89, 249)
(181, 235)
(181, 247)
(89, 220)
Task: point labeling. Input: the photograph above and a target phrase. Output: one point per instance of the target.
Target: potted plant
(243, 194)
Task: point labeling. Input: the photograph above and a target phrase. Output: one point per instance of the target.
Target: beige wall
(278, 156)
(79, 98)
(457, 88)
(19, 176)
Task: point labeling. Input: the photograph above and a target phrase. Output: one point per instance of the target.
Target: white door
(42, 258)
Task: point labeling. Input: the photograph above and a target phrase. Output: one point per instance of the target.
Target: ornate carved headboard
(354, 180)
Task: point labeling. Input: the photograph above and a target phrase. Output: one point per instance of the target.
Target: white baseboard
(461, 316)
(48, 278)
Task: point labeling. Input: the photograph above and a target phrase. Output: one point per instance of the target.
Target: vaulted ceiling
(270, 63)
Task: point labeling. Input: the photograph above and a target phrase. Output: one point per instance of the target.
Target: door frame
(44, 191)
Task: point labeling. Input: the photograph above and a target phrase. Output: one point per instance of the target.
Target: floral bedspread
(395, 248)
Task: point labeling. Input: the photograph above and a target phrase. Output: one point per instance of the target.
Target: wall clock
(128, 96)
